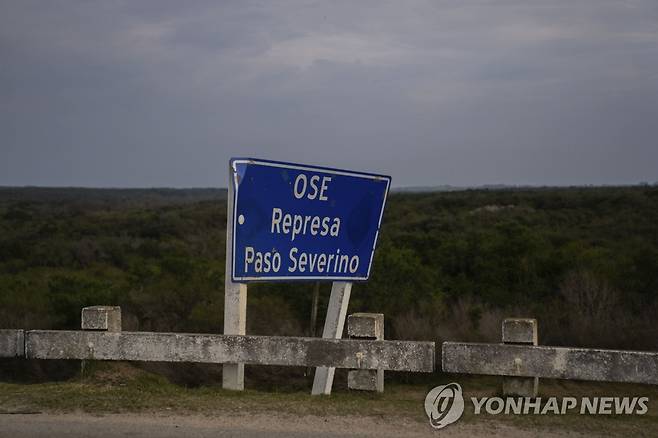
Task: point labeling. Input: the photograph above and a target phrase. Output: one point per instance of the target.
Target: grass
(120, 388)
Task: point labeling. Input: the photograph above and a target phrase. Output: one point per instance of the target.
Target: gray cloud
(475, 92)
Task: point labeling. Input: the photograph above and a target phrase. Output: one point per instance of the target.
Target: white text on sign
(295, 225)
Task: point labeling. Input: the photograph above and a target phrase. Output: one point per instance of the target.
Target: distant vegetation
(449, 265)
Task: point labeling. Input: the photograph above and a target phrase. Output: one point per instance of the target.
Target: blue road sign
(297, 222)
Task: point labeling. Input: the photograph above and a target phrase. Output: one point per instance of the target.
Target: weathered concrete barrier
(102, 338)
(12, 343)
(518, 357)
(263, 350)
(366, 326)
(550, 362)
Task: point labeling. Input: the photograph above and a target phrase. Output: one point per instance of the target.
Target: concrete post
(333, 329)
(235, 298)
(520, 331)
(101, 318)
(366, 326)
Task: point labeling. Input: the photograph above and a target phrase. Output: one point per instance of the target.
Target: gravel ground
(242, 425)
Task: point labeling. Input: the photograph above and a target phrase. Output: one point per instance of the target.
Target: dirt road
(239, 425)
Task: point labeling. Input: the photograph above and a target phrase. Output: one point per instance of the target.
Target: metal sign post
(291, 222)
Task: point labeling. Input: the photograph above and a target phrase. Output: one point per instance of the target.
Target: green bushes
(447, 264)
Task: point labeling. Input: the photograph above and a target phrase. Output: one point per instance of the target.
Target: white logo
(444, 405)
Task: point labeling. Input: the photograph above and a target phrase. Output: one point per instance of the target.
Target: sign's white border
(236, 161)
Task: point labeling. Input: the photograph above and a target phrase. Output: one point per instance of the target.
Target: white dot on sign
(241, 219)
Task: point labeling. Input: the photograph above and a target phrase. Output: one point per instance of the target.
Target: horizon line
(393, 188)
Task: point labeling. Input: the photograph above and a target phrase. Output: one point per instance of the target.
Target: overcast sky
(163, 93)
